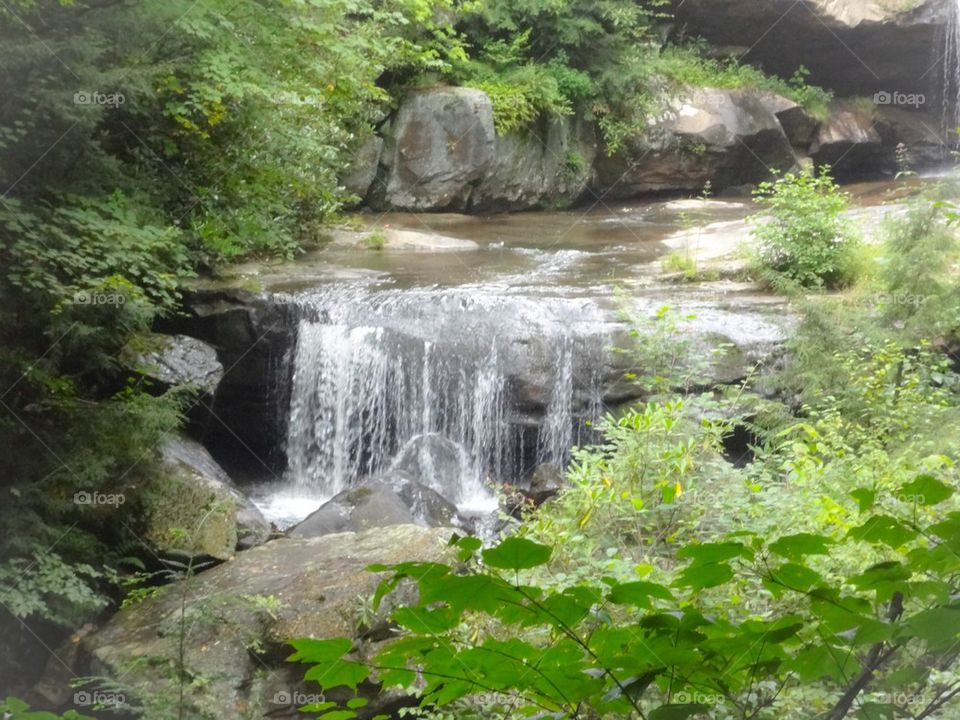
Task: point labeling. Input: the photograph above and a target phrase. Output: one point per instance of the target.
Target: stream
(484, 362)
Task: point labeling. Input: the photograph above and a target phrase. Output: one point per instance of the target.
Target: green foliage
(46, 587)
(649, 649)
(14, 709)
(801, 235)
(685, 67)
(376, 240)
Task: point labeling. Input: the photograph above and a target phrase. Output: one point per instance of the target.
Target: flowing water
(505, 351)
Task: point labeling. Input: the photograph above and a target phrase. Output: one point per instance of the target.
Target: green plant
(14, 709)
(680, 262)
(652, 650)
(375, 240)
(801, 234)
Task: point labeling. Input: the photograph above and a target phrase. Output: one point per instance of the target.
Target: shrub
(802, 236)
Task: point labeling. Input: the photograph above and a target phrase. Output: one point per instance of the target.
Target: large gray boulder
(439, 145)
(850, 143)
(235, 621)
(435, 461)
(726, 137)
(192, 508)
(855, 47)
(391, 499)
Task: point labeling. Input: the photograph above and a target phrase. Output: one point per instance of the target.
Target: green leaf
(883, 529)
(714, 552)
(698, 577)
(517, 554)
(310, 650)
(335, 674)
(925, 490)
(638, 593)
(675, 711)
(865, 498)
(796, 547)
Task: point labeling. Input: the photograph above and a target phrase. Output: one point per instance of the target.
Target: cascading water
(951, 73)
(507, 378)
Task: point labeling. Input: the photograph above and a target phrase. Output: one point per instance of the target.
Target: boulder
(362, 171)
(547, 165)
(439, 145)
(848, 141)
(391, 499)
(917, 132)
(194, 495)
(546, 482)
(174, 361)
(237, 618)
(435, 462)
(726, 137)
(855, 47)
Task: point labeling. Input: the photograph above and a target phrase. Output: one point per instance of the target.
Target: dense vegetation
(146, 143)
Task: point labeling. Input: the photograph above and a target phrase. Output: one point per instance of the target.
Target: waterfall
(376, 370)
(951, 73)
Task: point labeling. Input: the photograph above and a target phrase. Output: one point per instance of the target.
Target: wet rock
(192, 495)
(434, 461)
(174, 361)
(726, 137)
(396, 239)
(546, 482)
(392, 499)
(238, 617)
(439, 145)
(855, 47)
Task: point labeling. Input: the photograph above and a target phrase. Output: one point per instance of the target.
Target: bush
(802, 236)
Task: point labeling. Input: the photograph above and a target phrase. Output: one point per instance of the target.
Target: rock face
(855, 47)
(175, 360)
(392, 499)
(438, 146)
(548, 165)
(726, 137)
(238, 617)
(443, 153)
(363, 169)
(849, 142)
(195, 495)
(252, 335)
